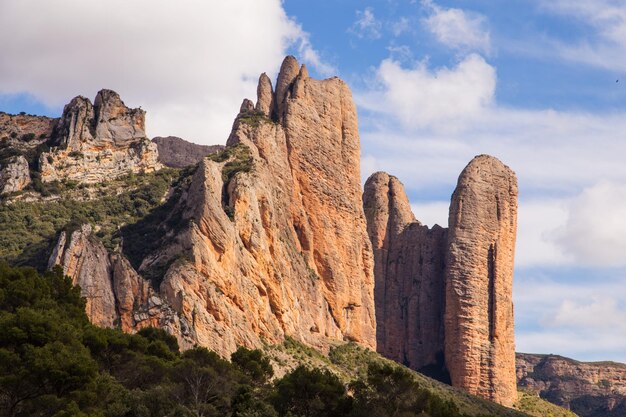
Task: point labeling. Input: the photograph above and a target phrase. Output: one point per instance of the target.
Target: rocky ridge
(269, 238)
(444, 296)
(588, 389)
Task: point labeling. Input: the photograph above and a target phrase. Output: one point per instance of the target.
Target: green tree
(311, 393)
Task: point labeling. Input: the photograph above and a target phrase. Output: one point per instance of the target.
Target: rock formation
(479, 327)
(269, 237)
(178, 153)
(588, 389)
(94, 143)
(409, 272)
(116, 295)
(449, 291)
(15, 175)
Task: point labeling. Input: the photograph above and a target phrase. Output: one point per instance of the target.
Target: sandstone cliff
(444, 297)
(269, 237)
(95, 142)
(409, 267)
(116, 295)
(479, 327)
(277, 242)
(588, 389)
(178, 153)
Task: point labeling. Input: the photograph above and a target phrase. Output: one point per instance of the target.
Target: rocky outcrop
(588, 389)
(268, 238)
(444, 297)
(115, 294)
(94, 143)
(409, 270)
(276, 243)
(24, 131)
(178, 153)
(15, 175)
(479, 327)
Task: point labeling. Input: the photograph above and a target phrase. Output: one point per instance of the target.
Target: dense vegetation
(53, 362)
(28, 228)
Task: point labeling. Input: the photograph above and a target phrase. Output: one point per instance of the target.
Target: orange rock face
(444, 297)
(479, 328)
(409, 271)
(278, 247)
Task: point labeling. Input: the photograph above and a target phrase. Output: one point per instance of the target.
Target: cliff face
(116, 295)
(269, 238)
(277, 243)
(444, 297)
(94, 143)
(14, 175)
(409, 267)
(480, 340)
(178, 153)
(588, 389)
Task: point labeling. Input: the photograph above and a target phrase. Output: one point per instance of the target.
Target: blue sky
(540, 84)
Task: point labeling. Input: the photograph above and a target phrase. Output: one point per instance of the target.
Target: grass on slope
(350, 362)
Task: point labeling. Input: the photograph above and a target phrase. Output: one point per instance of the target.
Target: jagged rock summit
(93, 143)
(444, 296)
(268, 238)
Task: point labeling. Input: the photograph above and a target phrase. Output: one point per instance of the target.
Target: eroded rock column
(479, 328)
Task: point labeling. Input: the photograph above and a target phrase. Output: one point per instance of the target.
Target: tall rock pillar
(479, 333)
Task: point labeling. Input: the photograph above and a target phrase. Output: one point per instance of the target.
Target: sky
(540, 84)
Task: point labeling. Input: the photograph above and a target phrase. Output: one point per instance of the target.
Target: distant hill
(590, 389)
(175, 152)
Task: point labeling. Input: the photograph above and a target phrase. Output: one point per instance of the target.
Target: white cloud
(188, 63)
(581, 319)
(456, 28)
(595, 231)
(400, 26)
(537, 220)
(419, 97)
(607, 47)
(366, 25)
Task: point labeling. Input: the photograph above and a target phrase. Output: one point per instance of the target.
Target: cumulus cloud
(420, 97)
(366, 25)
(188, 63)
(595, 231)
(581, 319)
(456, 28)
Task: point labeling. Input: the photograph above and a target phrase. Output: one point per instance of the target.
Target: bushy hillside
(53, 362)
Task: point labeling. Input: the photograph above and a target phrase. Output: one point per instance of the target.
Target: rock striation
(479, 326)
(444, 296)
(96, 142)
(178, 153)
(588, 389)
(409, 271)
